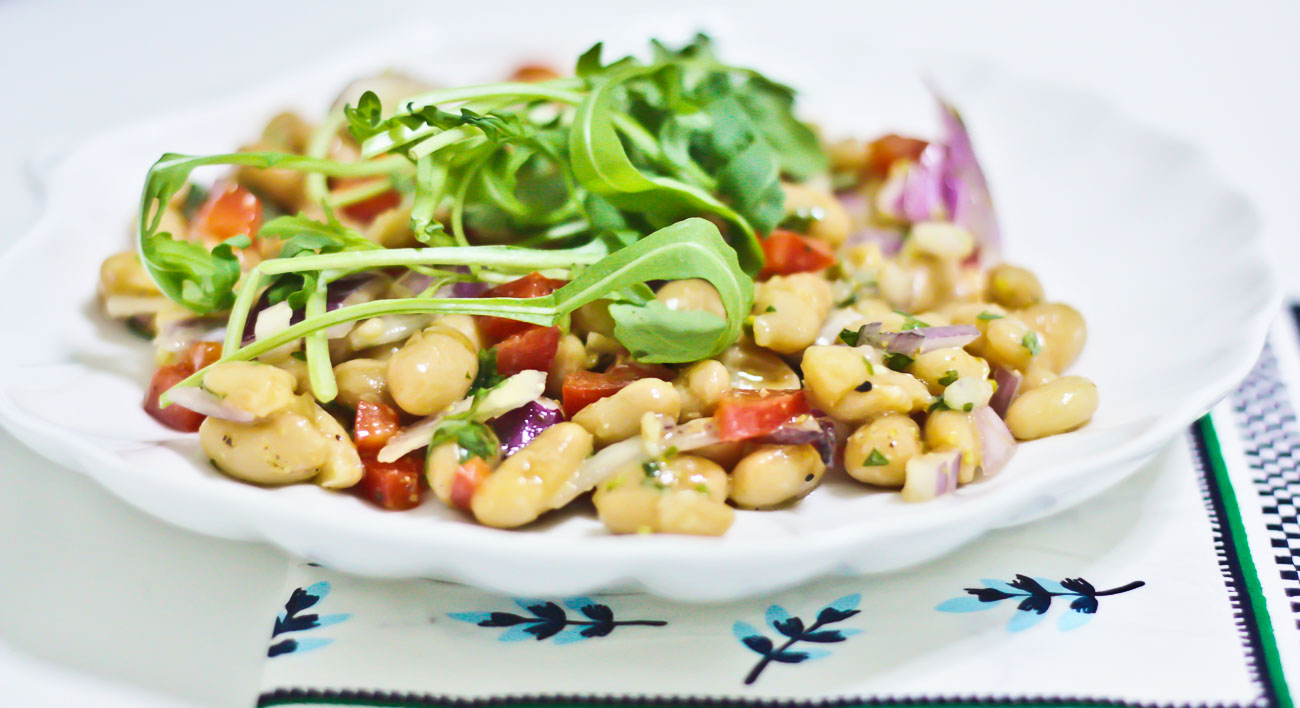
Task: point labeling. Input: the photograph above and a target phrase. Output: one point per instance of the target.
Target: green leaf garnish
(988, 316)
(875, 459)
(949, 376)
(897, 362)
(1030, 342)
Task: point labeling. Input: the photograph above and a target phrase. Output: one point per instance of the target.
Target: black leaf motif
(548, 611)
(599, 629)
(1085, 604)
(294, 623)
(826, 636)
(1078, 586)
(1029, 585)
(1036, 603)
(545, 629)
(989, 594)
(300, 600)
(598, 612)
(790, 627)
(760, 644)
(286, 646)
(830, 615)
(502, 619)
(790, 657)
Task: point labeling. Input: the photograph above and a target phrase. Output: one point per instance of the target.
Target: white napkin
(1158, 592)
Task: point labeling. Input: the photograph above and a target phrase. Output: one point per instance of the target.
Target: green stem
(319, 145)
(359, 193)
(319, 370)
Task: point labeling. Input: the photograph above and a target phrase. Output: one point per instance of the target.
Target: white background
(100, 605)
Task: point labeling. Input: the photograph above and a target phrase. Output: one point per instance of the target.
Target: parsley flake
(875, 459)
(1031, 343)
(949, 376)
(987, 316)
(897, 362)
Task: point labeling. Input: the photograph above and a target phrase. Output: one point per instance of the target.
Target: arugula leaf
(474, 438)
(488, 375)
(187, 273)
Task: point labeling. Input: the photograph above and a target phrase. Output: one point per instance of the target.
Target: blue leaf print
(1073, 620)
(548, 620)
(294, 618)
(965, 604)
(1022, 620)
(795, 631)
(1033, 598)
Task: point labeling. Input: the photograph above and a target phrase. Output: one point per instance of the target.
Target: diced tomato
(884, 151)
(787, 252)
(533, 348)
(173, 416)
(392, 485)
(583, 388)
(534, 72)
(741, 415)
(202, 354)
(469, 476)
(230, 210)
(366, 210)
(496, 329)
(376, 424)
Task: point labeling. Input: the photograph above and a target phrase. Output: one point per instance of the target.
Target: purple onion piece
(997, 445)
(890, 241)
(518, 427)
(922, 195)
(1008, 381)
(822, 433)
(965, 189)
(413, 282)
(468, 289)
(335, 294)
(200, 401)
(918, 341)
(948, 475)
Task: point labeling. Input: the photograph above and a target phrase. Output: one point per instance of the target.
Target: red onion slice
(996, 442)
(912, 342)
(518, 427)
(931, 475)
(1008, 381)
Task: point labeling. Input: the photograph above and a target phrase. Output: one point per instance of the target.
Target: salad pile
(648, 281)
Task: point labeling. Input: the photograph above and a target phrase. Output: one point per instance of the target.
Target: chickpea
(362, 380)
(1014, 287)
(342, 467)
(282, 449)
(954, 430)
(1055, 407)
(938, 365)
(686, 494)
(1008, 342)
(832, 224)
(1063, 331)
(392, 229)
(618, 417)
(968, 313)
(894, 438)
(789, 311)
(852, 389)
(692, 294)
(570, 357)
(700, 386)
(123, 274)
(906, 287)
(260, 389)
(941, 239)
(522, 488)
(284, 187)
(753, 368)
(775, 474)
(433, 369)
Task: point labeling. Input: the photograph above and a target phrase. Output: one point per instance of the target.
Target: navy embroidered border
(1234, 560)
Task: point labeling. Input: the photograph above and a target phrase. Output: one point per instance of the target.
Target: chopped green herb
(650, 468)
(987, 316)
(938, 405)
(871, 368)
(875, 459)
(770, 309)
(195, 196)
(897, 362)
(300, 355)
(849, 337)
(1031, 343)
(948, 377)
(968, 407)
(910, 322)
(802, 219)
(671, 452)
(702, 488)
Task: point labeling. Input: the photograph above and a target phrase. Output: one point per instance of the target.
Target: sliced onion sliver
(931, 475)
(920, 340)
(996, 442)
(1008, 381)
(522, 388)
(597, 468)
(203, 402)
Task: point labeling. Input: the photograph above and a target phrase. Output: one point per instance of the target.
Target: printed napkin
(1177, 587)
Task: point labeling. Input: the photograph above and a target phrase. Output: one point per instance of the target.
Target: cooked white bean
(941, 239)
(342, 467)
(954, 430)
(753, 368)
(570, 357)
(843, 382)
(618, 417)
(362, 380)
(433, 369)
(686, 495)
(260, 389)
(282, 449)
(123, 274)
(789, 311)
(939, 367)
(700, 386)
(829, 221)
(521, 489)
(877, 453)
(1063, 330)
(1014, 287)
(774, 475)
(691, 294)
(1055, 407)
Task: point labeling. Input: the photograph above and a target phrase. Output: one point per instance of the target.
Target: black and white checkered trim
(1270, 438)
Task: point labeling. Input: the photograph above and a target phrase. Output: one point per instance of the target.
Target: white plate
(1131, 227)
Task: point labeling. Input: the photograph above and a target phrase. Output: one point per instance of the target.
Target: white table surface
(102, 605)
